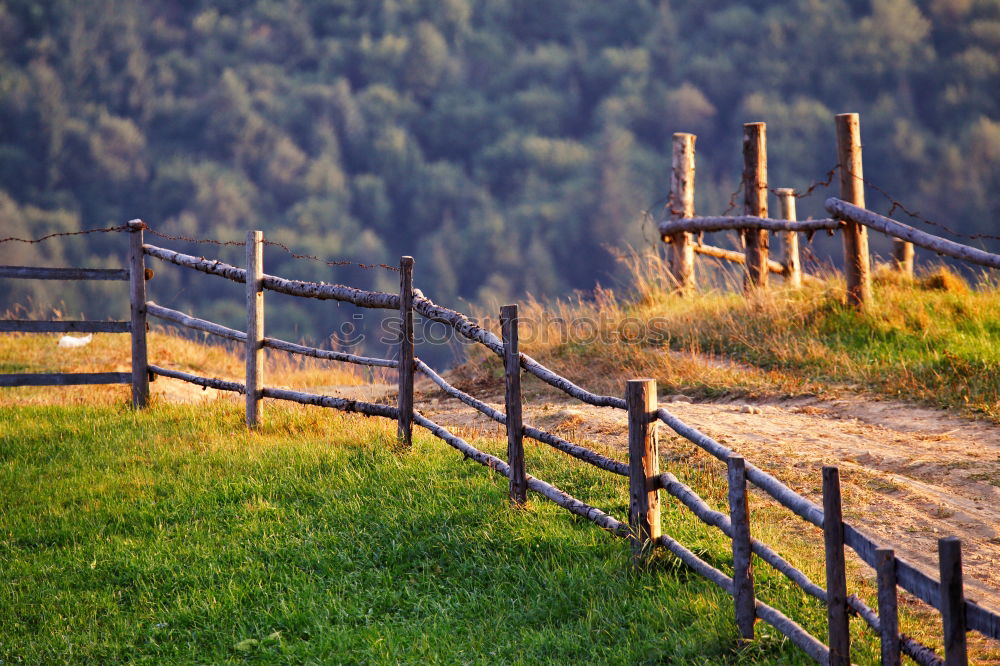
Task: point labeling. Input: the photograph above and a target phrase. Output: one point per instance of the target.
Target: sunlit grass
(174, 535)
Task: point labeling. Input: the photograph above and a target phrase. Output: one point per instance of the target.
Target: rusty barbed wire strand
(825, 182)
(276, 244)
(186, 239)
(329, 263)
(102, 230)
(899, 205)
(210, 241)
(732, 197)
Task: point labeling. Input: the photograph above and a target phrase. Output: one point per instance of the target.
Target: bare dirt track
(910, 475)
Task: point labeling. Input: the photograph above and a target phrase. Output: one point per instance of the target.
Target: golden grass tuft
(943, 278)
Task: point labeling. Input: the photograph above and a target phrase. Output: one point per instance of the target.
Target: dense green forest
(506, 144)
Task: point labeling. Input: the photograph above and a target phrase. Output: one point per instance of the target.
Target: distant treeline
(506, 144)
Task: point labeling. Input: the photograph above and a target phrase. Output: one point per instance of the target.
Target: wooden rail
(205, 326)
(63, 326)
(907, 233)
(38, 273)
(63, 378)
(735, 257)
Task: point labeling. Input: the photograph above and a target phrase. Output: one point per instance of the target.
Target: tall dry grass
(934, 338)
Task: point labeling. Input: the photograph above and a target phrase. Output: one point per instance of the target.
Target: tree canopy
(506, 144)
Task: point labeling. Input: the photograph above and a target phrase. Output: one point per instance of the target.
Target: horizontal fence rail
(206, 382)
(64, 378)
(706, 224)
(181, 319)
(63, 326)
(891, 227)
(37, 273)
(579, 452)
(789, 628)
(547, 490)
(343, 404)
(301, 288)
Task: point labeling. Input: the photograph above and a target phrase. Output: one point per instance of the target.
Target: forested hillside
(504, 143)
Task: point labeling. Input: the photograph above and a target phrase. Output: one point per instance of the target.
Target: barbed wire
(825, 182)
(102, 230)
(898, 205)
(732, 197)
(329, 263)
(209, 241)
(186, 239)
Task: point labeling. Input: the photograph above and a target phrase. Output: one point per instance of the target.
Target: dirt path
(910, 475)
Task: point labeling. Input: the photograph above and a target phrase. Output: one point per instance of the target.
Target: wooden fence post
(857, 267)
(643, 467)
(888, 609)
(836, 572)
(952, 601)
(405, 401)
(755, 203)
(739, 515)
(518, 488)
(137, 307)
(682, 205)
(902, 253)
(793, 266)
(255, 326)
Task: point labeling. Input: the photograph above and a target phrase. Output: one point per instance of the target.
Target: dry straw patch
(34, 352)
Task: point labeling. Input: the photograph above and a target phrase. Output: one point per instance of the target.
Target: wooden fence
(849, 217)
(642, 528)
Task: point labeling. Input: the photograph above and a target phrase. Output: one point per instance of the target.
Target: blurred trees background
(506, 144)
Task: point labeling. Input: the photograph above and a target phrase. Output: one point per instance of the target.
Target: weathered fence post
(755, 203)
(739, 515)
(836, 571)
(857, 267)
(518, 488)
(888, 609)
(643, 466)
(405, 374)
(793, 266)
(681, 206)
(137, 307)
(255, 326)
(952, 601)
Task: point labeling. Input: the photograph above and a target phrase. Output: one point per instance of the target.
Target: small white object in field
(750, 409)
(68, 341)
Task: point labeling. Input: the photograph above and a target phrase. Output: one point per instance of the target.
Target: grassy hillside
(174, 535)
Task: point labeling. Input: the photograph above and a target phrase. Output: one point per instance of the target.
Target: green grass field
(175, 536)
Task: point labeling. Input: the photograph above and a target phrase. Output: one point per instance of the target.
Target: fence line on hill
(645, 481)
(849, 218)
